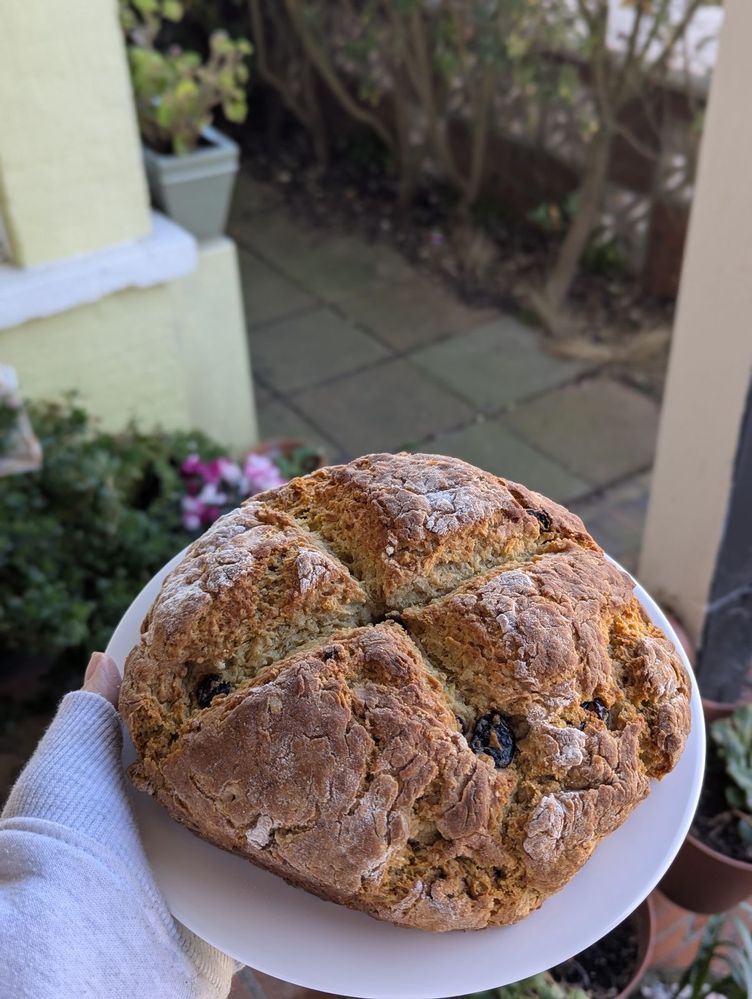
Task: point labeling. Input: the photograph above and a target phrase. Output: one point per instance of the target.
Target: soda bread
(406, 685)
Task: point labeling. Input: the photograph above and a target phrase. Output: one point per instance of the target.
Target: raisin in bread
(406, 685)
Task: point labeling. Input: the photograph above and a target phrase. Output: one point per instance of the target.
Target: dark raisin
(493, 736)
(543, 518)
(330, 652)
(210, 687)
(597, 707)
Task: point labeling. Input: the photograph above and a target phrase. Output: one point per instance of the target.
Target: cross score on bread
(406, 685)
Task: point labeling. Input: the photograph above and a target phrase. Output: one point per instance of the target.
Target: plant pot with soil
(190, 166)
(610, 969)
(713, 870)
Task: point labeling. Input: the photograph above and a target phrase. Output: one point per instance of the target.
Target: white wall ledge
(167, 253)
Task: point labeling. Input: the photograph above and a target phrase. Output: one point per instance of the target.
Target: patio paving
(355, 350)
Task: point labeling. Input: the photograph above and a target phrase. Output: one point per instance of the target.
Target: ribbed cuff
(75, 778)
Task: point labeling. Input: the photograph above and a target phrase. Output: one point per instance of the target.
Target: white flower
(210, 495)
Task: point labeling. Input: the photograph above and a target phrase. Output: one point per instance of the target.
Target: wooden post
(702, 459)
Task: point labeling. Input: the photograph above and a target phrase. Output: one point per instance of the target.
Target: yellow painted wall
(213, 346)
(173, 355)
(71, 177)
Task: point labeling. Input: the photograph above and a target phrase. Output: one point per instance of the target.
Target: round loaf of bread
(406, 685)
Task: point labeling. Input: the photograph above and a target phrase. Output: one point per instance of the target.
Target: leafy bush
(176, 91)
(80, 537)
(733, 739)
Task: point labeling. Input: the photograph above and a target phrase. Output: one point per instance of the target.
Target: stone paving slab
(384, 408)
(249, 197)
(267, 294)
(310, 348)
(335, 265)
(490, 445)
(601, 430)
(496, 364)
(616, 518)
(278, 420)
(414, 312)
(261, 392)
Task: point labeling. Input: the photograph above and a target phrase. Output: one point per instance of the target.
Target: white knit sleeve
(80, 913)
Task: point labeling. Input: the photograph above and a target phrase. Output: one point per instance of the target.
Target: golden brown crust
(343, 751)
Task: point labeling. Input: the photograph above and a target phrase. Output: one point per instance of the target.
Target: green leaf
(172, 10)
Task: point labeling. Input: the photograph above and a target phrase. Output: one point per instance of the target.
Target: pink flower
(229, 471)
(210, 495)
(191, 522)
(209, 471)
(191, 465)
(262, 473)
(212, 470)
(193, 510)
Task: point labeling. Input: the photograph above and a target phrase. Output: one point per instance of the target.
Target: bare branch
(328, 74)
(599, 62)
(629, 53)
(658, 65)
(265, 70)
(480, 119)
(631, 137)
(586, 14)
(436, 127)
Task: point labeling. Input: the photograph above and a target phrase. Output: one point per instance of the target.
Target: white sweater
(80, 913)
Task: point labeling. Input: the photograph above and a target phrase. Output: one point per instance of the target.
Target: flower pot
(644, 916)
(578, 969)
(195, 189)
(713, 710)
(701, 878)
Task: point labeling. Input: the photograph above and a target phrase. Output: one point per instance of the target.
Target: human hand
(102, 677)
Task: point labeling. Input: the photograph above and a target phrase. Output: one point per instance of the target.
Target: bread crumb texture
(406, 685)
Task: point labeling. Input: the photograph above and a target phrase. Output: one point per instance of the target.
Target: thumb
(102, 677)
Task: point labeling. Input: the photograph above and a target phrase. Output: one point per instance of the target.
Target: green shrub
(80, 537)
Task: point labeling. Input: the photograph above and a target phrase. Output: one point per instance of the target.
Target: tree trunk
(559, 281)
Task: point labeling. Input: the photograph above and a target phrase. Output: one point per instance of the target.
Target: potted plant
(722, 967)
(610, 969)
(190, 166)
(713, 870)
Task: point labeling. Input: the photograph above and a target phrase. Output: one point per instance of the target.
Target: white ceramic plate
(283, 931)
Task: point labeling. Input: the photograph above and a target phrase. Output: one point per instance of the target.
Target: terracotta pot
(702, 879)
(644, 918)
(644, 915)
(713, 710)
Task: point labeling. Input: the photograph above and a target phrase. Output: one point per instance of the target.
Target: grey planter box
(195, 189)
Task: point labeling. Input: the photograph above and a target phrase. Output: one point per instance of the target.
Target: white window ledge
(167, 253)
